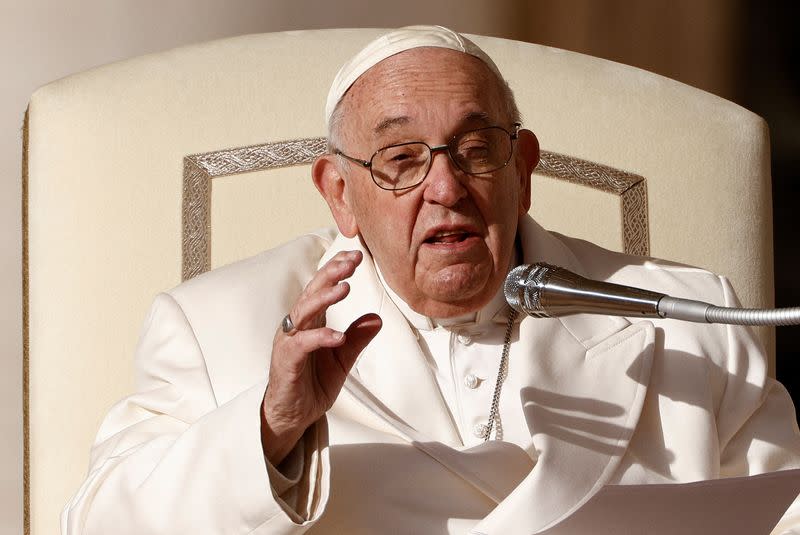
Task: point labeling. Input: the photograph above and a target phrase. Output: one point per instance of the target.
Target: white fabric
(464, 356)
(602, 400)
(465, 363)
(393, 43)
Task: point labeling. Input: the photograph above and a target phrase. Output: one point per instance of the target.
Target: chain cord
(494, 420)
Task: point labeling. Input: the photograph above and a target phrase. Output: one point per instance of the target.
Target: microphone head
(523, 287)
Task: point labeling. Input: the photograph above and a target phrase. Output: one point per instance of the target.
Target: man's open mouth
(451, 236)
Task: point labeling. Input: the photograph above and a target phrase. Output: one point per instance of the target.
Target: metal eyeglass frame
(367, 164)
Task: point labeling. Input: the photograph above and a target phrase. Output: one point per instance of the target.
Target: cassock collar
(495, 311)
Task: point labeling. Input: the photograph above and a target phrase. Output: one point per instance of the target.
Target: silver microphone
(545, 291)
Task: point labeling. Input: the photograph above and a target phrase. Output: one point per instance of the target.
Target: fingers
(309, 310)
(358, 335)
(293, 351)
(332, 366)
(311, 340)
(338, 268)
(325, 289)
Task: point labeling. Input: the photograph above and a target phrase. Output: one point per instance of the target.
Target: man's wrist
(277, 439)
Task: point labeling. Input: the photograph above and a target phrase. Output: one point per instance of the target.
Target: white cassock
(587, 401)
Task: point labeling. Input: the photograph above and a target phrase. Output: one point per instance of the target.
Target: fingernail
(338, 335)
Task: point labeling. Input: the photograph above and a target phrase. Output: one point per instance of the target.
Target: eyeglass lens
(474, 152)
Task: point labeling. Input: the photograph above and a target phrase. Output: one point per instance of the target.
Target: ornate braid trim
(200, 169)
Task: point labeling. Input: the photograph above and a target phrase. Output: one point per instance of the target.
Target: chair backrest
(156, 168)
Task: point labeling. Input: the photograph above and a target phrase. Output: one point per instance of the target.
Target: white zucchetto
(393, 43)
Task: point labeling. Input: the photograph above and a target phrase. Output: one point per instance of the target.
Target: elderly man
(401, 393)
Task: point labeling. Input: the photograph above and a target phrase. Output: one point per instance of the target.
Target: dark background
(769, 85)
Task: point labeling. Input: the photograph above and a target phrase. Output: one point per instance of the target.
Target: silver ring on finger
(287, 325)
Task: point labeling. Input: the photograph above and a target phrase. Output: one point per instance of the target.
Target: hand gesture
(310, 363)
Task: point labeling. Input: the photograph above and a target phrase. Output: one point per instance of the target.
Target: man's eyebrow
(478, 116)
(391, 122)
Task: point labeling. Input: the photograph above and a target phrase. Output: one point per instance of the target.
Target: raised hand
(310, 363)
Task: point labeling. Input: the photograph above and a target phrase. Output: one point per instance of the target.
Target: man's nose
(444, 183)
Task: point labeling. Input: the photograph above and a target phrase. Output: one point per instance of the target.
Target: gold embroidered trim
(200, 169)
(260, 157)
(635, 221)
(26, 348)
(196, 239)
(630, 187)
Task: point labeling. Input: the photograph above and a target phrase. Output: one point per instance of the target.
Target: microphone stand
(542, 291)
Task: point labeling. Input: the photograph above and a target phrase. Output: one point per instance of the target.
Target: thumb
(357, 336)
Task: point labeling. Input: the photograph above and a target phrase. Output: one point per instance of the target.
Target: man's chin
(455, 298)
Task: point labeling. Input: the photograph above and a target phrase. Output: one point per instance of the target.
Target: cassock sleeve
(756, 420)
(169, 459)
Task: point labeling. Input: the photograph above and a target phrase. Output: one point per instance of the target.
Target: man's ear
(332, 186)
(527, 160)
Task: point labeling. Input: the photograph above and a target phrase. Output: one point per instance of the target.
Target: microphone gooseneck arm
(685, 309)
(542, 290)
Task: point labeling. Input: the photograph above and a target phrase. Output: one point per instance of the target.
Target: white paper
(742, 505)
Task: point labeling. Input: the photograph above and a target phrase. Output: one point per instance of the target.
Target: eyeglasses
(405, 165)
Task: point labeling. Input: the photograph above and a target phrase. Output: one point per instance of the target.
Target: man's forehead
(401, 89)
(422, 66)
(389, 123)
(396, 42)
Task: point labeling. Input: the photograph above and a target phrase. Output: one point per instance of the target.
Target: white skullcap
(393, 43)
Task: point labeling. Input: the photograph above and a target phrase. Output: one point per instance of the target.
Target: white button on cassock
(471, 381)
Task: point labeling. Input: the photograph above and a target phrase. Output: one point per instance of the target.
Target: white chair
(156, 168)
